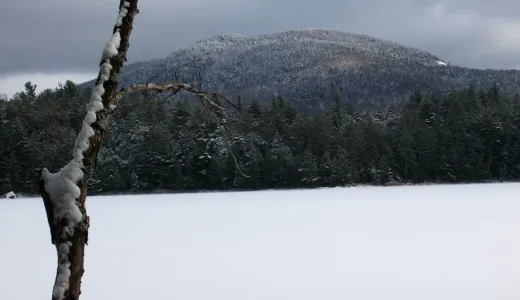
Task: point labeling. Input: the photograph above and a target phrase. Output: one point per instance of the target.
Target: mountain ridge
(307, 66)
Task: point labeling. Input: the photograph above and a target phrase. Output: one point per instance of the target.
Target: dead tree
(64, 193)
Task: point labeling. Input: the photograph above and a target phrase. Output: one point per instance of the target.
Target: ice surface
(403, 243)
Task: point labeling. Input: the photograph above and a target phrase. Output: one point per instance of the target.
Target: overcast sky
(50, 41)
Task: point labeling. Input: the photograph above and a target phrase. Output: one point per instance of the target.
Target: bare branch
(207, 100)
(175, 87)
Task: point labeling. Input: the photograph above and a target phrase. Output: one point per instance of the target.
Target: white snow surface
(441, 63)
(122, 13)
(365, 243)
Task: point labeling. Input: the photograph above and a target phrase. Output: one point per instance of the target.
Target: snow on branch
(64, 192)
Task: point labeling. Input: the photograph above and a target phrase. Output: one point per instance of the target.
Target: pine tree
(309, 170)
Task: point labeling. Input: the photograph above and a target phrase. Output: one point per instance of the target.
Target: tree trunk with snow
(64, 192)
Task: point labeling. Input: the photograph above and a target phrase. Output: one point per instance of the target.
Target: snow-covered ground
(399, 243)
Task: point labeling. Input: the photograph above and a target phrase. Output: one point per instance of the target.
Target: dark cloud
(64, 35)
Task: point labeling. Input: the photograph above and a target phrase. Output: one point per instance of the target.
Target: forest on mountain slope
(469, 135)
(307, 67)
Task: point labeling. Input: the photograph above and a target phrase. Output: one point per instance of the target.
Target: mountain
(308, 66)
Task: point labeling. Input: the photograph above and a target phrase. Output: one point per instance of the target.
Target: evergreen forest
(159, 144)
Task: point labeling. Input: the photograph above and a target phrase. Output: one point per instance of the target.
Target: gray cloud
(63, 35)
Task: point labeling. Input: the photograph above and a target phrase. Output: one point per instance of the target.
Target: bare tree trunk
(64, 192)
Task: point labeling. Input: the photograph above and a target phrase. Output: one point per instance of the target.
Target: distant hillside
(308, 66)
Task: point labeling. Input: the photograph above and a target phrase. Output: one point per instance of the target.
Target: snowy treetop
(310, 64)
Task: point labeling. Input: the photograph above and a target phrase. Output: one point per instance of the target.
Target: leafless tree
(64, 192)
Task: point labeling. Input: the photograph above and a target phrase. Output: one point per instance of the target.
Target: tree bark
(70, 244)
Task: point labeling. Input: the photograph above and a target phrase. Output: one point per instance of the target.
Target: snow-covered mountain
(308, 66)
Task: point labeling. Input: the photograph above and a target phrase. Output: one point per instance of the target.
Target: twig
(206, 99)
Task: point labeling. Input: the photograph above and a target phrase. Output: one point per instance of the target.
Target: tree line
(158, 144)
